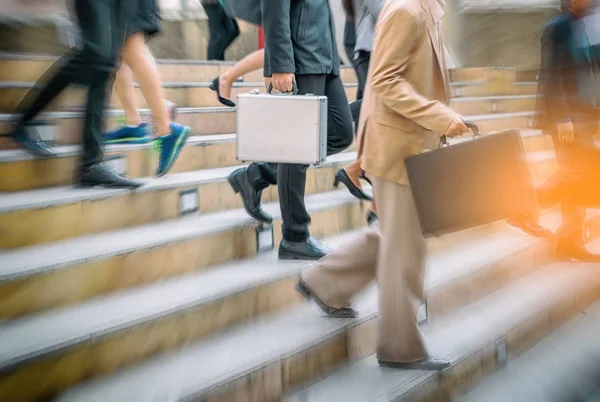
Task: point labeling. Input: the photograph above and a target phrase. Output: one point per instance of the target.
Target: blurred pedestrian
(223, 29)
(568, 110)
(300, 48)
(103, 27)
(405, 112)
(138, 61)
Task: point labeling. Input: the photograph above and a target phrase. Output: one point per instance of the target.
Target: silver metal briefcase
(282, 128)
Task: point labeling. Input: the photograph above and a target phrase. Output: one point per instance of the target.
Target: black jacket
(559, 100)
(299, 37)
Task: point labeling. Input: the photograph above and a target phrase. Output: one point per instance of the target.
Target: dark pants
(361, 66)
(223, 30)
(576, 185)
(291, 178)
(103, 26)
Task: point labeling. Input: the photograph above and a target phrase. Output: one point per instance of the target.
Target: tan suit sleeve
(395, 38)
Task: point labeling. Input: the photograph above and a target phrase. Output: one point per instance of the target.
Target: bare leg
(354, 172)
(252, 62)
(137, 55)
(125, 91)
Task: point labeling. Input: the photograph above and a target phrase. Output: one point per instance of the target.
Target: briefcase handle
(294, 90)
(470, 124)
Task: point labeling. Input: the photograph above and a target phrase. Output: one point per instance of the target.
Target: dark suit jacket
(559, 100)
(299, 37)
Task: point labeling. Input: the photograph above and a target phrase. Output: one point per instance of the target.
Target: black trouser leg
(577, 163)
(103, 26)
(361, 66)
(223, 30)
(291, 178)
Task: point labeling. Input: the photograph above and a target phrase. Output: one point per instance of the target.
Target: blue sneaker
(129, 135)
(169, 147)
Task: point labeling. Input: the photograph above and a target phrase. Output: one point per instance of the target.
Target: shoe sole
(528, 232)
(33, 151)
(237, 190)
(178, 148)
(305, 292)
(411, 366)
(130, 141)
(293, 257)
(92, 185)
(355, 191)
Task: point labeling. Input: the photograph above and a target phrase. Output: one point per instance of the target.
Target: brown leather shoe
(529, 226)
(308, 294)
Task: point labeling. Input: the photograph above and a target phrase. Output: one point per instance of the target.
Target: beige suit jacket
(404, 108)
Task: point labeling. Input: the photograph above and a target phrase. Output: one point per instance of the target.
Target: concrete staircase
(171, 293)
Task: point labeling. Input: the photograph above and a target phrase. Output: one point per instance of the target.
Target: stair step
(241, 290)
(190, 94)
(273, 354)
(153, 319)
(80, 268)
(28, 68)
(475, 89)
(221, 120)
(65, 212)
(514, 318)
(62, 213)
(562, 367)
(19, 171)
(493, 104)
(198, 94)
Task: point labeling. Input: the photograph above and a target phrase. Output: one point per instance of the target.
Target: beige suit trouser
(392, 251)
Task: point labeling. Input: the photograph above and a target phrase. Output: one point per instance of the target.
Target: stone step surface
(19, 171)
(562, 367)
(198, 94)
(193, 306)
(120, 329)
(70, 270)
(55, 214)
(515, 319)
(222, 120)
(26, 67)
(59, 213)
(286, 349)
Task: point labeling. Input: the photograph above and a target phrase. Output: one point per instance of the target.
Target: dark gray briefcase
(471, 183)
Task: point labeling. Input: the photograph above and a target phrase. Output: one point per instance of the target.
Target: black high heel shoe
(342, 177)
(224, 101)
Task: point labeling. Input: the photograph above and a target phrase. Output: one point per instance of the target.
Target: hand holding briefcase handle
(470, 124)
(294, 90)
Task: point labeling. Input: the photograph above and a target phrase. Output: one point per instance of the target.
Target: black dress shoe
(308, 294)
(429, 364)
(28, 137)
(251, 198)
(214, 85)
(570, 251)
(529, 226)
(342, 177)
(101, 175)
(309, 249)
